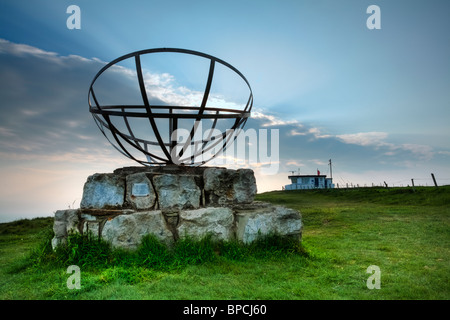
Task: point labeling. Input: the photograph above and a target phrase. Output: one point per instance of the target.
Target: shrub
(84, 250)
(153, 254)
(274, 245)
(192, 251)
(87, 251)
(232, 250)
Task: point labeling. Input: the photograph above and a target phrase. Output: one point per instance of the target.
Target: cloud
(376, 139)
(6, 132)
(319, 162)
(295, 163)
(296, 132)
(421, 151)
(316, 132)
(269, 120)
(16, 49)
(360, 145)
(45, 108)
(165, 88)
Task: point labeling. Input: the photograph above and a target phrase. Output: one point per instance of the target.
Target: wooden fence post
(414, 189)
(434, 180)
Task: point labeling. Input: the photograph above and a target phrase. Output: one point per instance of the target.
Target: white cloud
(295, 163)
(271, 120)
(319, 162)
(23, 49)
(158, 80)
(296, 132)
(318, 134)
(365, 138)
(164, 87)
(298, 129)
(422, 151)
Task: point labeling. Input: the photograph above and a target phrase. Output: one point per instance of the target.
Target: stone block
(140, 192)
(244, 186)
(217, 222)
(92, 227)
(65, 223)
(225, 186)
(177, 192)
(103, 190)
(266, 219)
(126, 231)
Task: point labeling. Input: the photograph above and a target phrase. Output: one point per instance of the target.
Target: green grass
(404, 232)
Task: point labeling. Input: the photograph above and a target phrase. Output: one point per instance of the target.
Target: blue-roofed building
(301, 182)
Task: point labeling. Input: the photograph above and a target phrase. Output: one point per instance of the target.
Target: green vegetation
(403, 231)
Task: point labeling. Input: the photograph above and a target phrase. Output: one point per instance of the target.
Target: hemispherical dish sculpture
(176, 134)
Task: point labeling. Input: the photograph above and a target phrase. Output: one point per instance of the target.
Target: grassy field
(405, 232)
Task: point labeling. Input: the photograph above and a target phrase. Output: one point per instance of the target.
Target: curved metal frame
(102, 116)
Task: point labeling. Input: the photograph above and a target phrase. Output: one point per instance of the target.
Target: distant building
(300, 182)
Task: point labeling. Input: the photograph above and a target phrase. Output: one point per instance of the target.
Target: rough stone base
(172, 203)
(244, 223)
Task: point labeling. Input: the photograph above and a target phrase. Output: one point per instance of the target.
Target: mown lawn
(405, 233)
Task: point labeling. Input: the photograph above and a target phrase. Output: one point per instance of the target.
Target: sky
(374, 101)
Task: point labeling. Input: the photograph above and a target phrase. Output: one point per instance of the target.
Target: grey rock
(65, 222)
(265, 219)
(140, 201)
(226, 186)
(244, 186)
(177, 192)
(92, 227)
(90, 224)
(126, 231)
(217, 222)
(103, 190)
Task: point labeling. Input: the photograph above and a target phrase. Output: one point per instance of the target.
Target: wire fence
(413, 182)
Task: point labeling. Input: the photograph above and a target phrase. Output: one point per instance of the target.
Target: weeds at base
(152, 256)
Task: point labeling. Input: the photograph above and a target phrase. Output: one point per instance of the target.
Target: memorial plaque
(140, 190)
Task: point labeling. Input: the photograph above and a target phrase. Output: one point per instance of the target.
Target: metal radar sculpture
(169, 129)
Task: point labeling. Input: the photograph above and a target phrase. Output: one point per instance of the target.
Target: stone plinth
(173, 202)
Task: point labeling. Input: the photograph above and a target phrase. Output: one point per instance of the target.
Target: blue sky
(374, 101)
